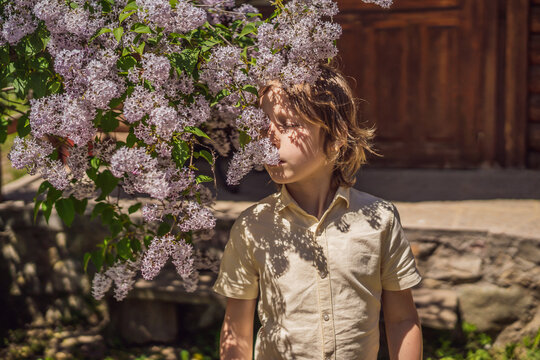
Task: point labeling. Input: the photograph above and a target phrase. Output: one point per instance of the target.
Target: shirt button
(326, 317)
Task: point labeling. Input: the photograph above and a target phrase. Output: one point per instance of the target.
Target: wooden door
(427, 70)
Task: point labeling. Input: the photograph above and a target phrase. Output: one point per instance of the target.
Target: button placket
(325, 300)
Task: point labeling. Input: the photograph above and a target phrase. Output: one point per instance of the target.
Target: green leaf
(252, 89)
(180, 152)
(65, 210)
(20, 83)
(123, 248)
(23, 125)
(43, 186)
(97, 259)
(141, 29)
(106, 181)
(115, 226)
(135, 245)
(37, 203)
(46, 207)
(163, 229)
(186, 60)
(207, 156)
(140, 48)
(196, 131)
(248, 29)
(203, 178)
(87, 257)
(98, 209)
(38, 83)
(132, 5)
(134, 208)
(244, 138)
(126, 62)
(100, 32)
(54, 87)
(131, 140)
(109, 122)
(118, 32)
(107, 216)
(220, 96)
(124, 15)
(79, 205)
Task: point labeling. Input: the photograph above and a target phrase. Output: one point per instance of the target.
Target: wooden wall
(533, 138)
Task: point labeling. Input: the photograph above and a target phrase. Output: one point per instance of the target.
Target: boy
(321, 256)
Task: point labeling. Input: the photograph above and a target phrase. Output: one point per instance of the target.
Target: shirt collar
(285, 199)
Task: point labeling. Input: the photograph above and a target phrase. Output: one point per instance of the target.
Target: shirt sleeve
(238, 276)
(399, 270)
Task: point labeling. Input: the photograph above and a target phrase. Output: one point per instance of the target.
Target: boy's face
(300, 142)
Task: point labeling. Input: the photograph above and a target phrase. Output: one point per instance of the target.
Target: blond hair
(330, 103)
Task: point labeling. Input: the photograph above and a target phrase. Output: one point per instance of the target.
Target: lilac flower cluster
(253, 120)
(159, 251)
(182, 18)
(121, 274)
(33, 155)
(256, 152)
(158, 102)
(302, 38)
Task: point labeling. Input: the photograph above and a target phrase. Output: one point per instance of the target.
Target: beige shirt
(319, 281)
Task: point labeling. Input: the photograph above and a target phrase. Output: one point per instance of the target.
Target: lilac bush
(175, 74)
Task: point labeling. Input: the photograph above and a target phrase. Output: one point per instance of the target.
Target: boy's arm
(403, 330)
(236, 340)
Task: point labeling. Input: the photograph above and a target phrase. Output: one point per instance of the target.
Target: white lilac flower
(101, 92)
(77, 161)
(166, 121)
(178, 85)
(151, 212)
(18, 23)
(254, 120)
(220, 71)
(100, 285)
(155, 68)
(196, 217)
(383, 3)
(29, 153)
(134, 161)
(123, 276)
(254, 153)
(141, 102)
(159, 251)
(182, 259)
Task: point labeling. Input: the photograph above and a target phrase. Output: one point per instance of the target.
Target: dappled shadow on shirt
(277, 237)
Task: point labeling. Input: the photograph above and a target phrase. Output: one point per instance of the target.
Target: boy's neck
(314, 195)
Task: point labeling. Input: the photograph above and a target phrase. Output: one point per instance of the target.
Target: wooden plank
(534, 108)
(515, 90)
(534, 137)
(535, 19)
(534, 49)
(421, 5)
(534, 80)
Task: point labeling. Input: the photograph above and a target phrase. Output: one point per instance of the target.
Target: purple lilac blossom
(159, 251)
(254, 120)
(256, 152)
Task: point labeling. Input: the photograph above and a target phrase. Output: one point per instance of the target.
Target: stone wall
(492, 281)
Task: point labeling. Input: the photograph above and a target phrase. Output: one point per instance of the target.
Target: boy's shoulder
(371, 209)
(360, 202)
(261, 208)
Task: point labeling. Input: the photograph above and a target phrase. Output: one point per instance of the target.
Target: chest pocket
(360, 254)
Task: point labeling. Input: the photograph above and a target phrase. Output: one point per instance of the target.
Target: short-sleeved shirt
(319, 282)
